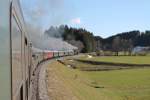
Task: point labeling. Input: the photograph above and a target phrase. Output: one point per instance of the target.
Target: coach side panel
(5, 67)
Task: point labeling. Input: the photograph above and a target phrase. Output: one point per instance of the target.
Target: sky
(102, 17)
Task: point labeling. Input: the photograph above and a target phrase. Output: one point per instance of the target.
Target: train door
(26, 54)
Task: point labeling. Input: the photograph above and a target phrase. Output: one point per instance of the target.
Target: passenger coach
(15, 59)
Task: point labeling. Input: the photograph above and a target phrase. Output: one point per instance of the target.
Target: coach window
(26, 41)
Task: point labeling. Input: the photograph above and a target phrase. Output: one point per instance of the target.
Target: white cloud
(76, 21)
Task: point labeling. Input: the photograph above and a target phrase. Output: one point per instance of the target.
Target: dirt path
(56, 88)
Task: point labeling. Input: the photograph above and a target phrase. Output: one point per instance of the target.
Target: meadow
(120, 59)
(126, 84)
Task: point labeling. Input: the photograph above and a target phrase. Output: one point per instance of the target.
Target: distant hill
(136, 37)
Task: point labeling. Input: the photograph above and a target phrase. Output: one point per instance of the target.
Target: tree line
(126, 41)
(80, 38)
(87, 42)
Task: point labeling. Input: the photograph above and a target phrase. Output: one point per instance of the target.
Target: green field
(131, 84)
(127, 84)
(121, 59)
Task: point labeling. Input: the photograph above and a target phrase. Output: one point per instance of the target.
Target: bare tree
(116, 45)
(130, 46)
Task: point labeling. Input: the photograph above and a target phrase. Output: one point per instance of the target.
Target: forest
(87, 42)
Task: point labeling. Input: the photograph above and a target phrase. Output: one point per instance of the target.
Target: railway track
(37, 82)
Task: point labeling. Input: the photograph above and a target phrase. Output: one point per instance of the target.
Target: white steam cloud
(39, 13)
(44, 42)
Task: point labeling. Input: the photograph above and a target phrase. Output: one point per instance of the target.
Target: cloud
(45, 13)
(76, 21)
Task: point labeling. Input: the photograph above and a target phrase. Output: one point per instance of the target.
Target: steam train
(39, 56)
(18, 58)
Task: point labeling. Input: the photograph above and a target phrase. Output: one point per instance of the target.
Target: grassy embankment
(127, 84)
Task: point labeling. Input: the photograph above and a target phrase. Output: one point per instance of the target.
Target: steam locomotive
(18, 58)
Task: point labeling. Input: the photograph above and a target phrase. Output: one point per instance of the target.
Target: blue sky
(102, 17)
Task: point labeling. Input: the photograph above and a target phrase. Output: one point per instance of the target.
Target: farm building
(140, 49)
